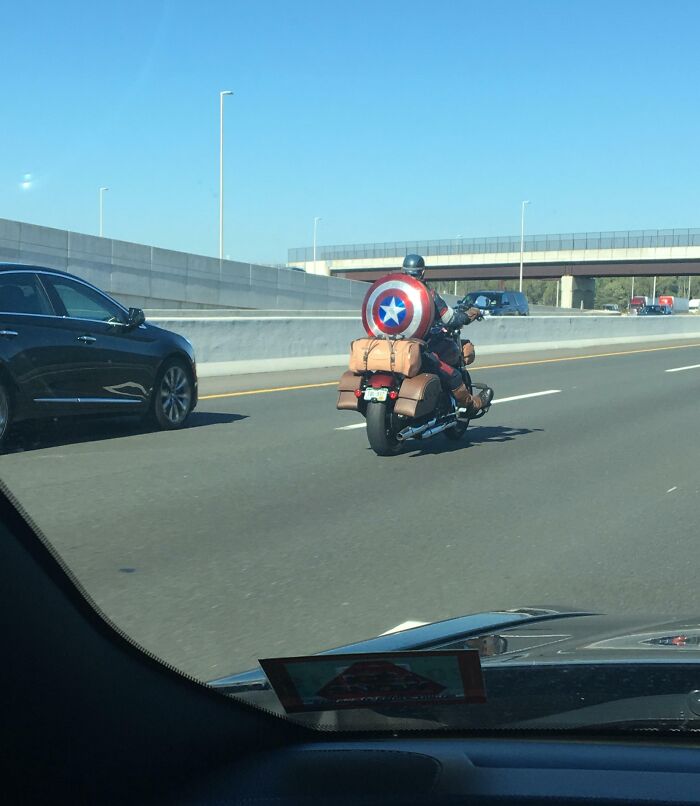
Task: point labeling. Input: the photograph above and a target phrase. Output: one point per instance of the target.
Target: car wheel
(172, 396)
(5, 411)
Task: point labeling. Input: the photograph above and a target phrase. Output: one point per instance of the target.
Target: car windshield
(491, 298)
(244, 393)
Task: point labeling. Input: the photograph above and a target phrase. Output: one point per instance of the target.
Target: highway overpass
(575, 258)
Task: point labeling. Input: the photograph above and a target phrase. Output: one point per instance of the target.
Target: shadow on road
(476, 435)
(33, 435)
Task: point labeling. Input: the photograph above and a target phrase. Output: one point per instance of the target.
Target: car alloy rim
(4, 411)
(175, 394)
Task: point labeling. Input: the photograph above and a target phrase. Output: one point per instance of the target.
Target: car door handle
(87, 339)
(9, 334)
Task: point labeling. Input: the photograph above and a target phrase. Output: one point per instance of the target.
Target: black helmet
(415, 266)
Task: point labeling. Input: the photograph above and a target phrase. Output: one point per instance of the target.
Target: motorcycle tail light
(393, 394)
(358, 393)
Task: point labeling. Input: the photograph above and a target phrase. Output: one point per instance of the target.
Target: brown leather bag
(402, 356)
(468, 352)
(418, 395)
(346, 391)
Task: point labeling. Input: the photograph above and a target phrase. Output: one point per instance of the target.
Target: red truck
(676, 304)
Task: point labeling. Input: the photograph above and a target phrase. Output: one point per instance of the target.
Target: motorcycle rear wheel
(380, 432)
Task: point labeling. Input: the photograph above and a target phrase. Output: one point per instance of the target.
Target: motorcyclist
(444, 315)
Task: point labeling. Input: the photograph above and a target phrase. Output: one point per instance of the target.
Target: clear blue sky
(392, 120)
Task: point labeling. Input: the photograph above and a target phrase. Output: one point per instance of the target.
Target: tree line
(608, 290)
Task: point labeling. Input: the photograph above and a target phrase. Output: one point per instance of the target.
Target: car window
(82, 302)
(22, 293)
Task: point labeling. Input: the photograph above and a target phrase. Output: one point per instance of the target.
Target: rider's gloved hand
(473, 313)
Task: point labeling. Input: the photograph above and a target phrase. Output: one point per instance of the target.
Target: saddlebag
(418, 395)
(468, 352)
(346, 391)
(402, 356)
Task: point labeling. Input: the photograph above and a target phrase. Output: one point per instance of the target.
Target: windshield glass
(244, 393)
(491, 298)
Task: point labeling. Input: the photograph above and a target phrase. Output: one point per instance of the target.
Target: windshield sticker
(330, 682)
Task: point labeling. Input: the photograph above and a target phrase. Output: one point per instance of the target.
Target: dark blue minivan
(501, 303)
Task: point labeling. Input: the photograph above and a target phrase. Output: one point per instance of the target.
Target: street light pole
(459, 238)
(522, 241)
(221, 171)
(653, 293)
(316, 220)
(102, 190)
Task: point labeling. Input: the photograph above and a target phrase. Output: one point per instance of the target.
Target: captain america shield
(397, 305)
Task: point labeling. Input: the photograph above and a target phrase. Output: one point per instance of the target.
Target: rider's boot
(469, 404)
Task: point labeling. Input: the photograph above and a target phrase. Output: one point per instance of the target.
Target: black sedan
(651, 310)
(68, 348)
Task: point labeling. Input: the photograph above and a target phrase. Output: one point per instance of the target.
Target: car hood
(514, 643)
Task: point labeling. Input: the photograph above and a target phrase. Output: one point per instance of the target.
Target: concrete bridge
(575, 258)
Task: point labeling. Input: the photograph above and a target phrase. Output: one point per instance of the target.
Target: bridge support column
(317, 267)
(575, 290)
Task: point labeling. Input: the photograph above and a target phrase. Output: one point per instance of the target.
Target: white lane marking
(672, 489)
(523, 397)
(405, 625)
(682, 369)
(498, 400)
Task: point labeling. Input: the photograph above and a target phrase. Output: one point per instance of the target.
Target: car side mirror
(136, 317)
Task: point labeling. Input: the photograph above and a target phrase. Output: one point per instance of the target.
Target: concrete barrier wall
(149, 277)
(231, 345)
(554, 332)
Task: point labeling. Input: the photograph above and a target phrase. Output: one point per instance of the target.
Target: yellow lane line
(476, 369)
(582, 357)
(265, 391)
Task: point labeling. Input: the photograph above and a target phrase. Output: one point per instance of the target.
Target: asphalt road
(267, 527)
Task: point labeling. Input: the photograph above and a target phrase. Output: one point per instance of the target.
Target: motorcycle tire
(380, 433)
(456, 433)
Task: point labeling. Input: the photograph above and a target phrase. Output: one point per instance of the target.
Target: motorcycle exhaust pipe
(426, 430)
(438, 429)
(413, 432)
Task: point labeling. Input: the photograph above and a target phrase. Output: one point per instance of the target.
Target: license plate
(376, 394)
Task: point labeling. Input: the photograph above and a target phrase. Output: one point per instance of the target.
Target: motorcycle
(399, 409)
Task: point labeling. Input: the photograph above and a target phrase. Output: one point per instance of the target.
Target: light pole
(459, 237)
(522, 241)
(653, 293)
(221, 172)
(316, 220)
(102, 191)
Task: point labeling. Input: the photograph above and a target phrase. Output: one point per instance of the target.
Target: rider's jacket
(438, 340)
(444, 316)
